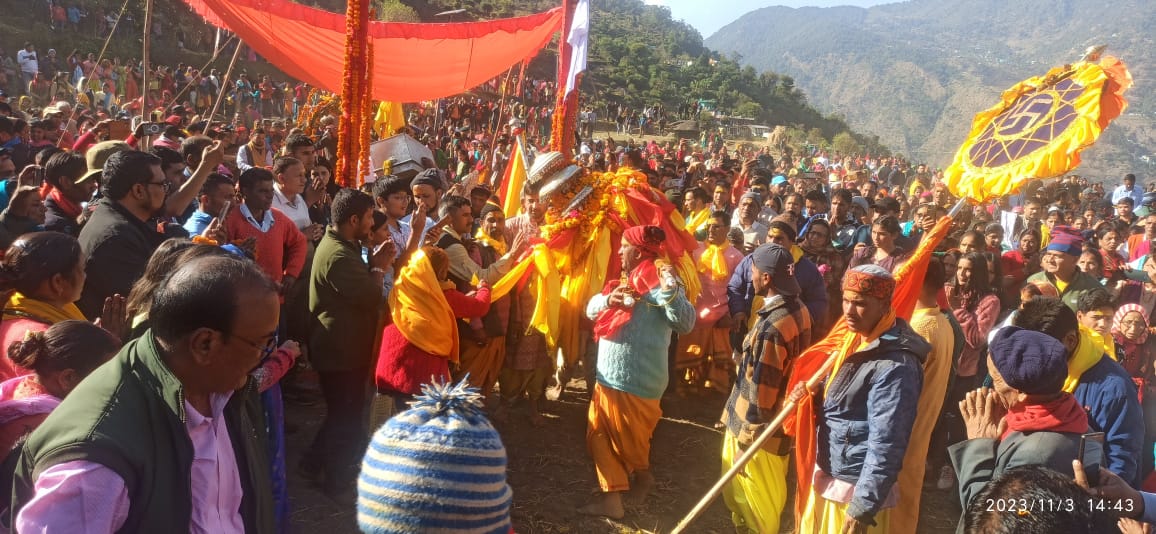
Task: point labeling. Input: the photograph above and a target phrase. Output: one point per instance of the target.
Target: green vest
(129, 415)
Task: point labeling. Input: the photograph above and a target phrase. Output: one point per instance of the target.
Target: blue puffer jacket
(867, 416)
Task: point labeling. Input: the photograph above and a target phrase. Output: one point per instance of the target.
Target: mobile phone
(1085, 454)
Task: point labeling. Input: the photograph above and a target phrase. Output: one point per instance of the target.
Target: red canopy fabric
(412, 62)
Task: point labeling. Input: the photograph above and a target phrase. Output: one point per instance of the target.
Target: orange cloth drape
(412, 62)
(801, 424)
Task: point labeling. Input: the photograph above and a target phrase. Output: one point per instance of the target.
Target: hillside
(639, 55)
(916, 72)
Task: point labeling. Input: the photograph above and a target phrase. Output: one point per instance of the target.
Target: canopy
(412, 62)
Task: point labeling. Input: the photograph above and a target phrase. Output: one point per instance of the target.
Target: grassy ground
(552, 476)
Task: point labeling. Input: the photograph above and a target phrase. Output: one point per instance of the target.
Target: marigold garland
(354, 87)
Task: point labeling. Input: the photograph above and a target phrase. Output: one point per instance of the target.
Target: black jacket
(57, 221)
(117, 246)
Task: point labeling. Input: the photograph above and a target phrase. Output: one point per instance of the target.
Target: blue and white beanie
(437, 467)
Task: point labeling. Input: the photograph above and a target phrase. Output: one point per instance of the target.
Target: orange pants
(482, 363)
(618, 431)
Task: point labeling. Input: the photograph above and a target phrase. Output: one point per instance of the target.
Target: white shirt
(296, 210)
(266, 222)
(27, 61)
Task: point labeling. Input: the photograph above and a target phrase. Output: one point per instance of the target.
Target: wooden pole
(144, 58)
(754, 448)
(225, 82)
(201, 71)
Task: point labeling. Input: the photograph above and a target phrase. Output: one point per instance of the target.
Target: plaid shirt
(782, 332)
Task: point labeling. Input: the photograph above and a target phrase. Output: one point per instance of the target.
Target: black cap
(776, 260)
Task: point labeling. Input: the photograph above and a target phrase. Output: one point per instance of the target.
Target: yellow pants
(827, 517)
(757, 495)
(618, 430)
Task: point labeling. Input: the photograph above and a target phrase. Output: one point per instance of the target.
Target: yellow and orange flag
(513, 180)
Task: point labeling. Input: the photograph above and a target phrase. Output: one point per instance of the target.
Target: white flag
(579, 42)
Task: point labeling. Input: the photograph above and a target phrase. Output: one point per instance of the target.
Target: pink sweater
(280, 251)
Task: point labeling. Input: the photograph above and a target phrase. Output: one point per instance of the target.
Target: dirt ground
(551, 474)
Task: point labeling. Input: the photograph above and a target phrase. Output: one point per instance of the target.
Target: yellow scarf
(854, 342)
(22, 307)
(697, 219)
(482, 237)
(420, 310)
(1088, 353)
(714, 261)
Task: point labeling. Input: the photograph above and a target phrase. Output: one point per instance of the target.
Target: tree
(395, 11)
(845, 143)
(749, 109)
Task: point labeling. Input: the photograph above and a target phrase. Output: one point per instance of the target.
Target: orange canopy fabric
(412, 62)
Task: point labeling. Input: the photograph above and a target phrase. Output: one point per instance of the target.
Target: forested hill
(640, 56)
(916, 72)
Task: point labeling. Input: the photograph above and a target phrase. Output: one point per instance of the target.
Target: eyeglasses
(266, 349)
(164, 185)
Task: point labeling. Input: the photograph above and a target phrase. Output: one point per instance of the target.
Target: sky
(707, 18)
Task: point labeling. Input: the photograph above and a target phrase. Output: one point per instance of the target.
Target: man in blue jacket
(741, 291)
(865, 412)
(1101, 385)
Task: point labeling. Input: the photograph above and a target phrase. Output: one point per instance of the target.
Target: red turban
(647, 239)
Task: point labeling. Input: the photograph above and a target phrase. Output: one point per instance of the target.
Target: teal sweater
(635, 361)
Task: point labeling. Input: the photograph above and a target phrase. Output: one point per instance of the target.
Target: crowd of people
(178, 282)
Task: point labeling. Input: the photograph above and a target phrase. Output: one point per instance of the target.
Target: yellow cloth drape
(498, 245)
(713, 260)
(420, 310)
(1087, 354)
(515, 178)
(546, 285)
(390, 118)
(22, 307)
(757, 496)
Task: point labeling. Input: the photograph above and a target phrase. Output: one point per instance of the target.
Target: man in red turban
(634, 318)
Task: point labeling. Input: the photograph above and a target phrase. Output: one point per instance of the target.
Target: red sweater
(402, 367)
(280, 251)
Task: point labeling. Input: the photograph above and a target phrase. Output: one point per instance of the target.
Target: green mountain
(915, 72)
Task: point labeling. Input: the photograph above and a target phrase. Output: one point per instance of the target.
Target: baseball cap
(774, 259)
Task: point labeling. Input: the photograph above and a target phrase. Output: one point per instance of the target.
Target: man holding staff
(782, 332)
(865, 410)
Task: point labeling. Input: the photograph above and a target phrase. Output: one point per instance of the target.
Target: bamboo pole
(144, 69)
(225, 82)
(753, 449)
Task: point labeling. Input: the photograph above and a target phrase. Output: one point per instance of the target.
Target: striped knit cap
(437, 467)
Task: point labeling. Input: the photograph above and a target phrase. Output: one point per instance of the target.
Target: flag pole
(753, 449)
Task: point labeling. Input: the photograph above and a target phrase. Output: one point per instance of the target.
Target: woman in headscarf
(817, 247)
(1025, 260)
(422, 340)
(1136, 350)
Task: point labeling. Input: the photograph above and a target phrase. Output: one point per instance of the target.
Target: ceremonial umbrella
(1039, 127)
